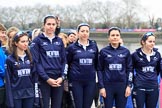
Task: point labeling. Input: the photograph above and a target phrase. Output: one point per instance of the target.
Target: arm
(69, 57)
(100, 74)
(64, 65)
(9, 95)
(159, 66)
(2, 63)
(35, 51)
(129, 70)
(129, 67)
(100, 70)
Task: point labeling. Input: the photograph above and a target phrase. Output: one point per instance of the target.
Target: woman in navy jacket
(49, 55)
(115, 71)
(146, 64)
(19, 74)
(82, 60)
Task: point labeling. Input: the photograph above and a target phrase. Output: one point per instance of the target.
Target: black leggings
(145, 97)
(115, 92)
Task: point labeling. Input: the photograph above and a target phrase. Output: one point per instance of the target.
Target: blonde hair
(64, 36)
(2, 27)
(10, 30)
(34, 35)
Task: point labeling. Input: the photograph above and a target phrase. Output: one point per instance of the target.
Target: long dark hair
(16, 39)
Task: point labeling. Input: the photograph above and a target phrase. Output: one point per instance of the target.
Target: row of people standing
(49, 59)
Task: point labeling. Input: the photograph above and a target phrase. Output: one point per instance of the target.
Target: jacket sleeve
(69, 57)
(36, 87)
(2, 63)
(159, 66)
(9, 95)
(100, 70)
(63, 61)
(129, 70)
(34, 48)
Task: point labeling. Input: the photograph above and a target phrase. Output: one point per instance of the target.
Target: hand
(59, 81)
(127, 91)
(52, 82)
(103, 92)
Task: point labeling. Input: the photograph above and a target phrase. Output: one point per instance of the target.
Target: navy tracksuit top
(82, 63)
(146, 72)
(48, 56)
(115, 66)
(19, 79)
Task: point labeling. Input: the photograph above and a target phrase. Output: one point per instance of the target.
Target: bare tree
(151, 21)
(128, 11)
(23, 16)
(8, 16)
(106, 12)
(87, 11)
(122, 13)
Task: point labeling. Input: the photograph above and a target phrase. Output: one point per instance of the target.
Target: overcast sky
(154, 6)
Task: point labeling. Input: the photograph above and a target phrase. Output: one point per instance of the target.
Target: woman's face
(83, 33)
(3, 35)
(50, 26)
(114, 37)
(10, 36)
(71, 38)
(149, 43)
(23, 43)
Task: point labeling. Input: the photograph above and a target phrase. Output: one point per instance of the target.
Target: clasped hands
(55, 83)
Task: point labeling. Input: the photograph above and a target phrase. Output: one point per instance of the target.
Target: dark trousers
(67, 101)
(83, 93)
(145, 97)
(24, 103)
(96, 98)
(115, 92)
(2, 97)
(51, 93)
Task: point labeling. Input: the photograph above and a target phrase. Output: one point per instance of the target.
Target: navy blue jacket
(82, 63)
(115, 66)
(146, 72)
(49, 56)
(19, 80)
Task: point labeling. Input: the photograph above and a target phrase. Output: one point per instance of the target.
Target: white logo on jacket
(57, 43)
(121, 55)
(87, 61)
(45, 43)
(148, 69)
(115, 66)
(52, 53)
(108, 55)
(91, 50)
(23, 72)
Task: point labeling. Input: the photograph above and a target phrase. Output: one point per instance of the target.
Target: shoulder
(10, 58)
(71, 46)
(92, 41)
(156, 51)
(124, 48)
(105, 49)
